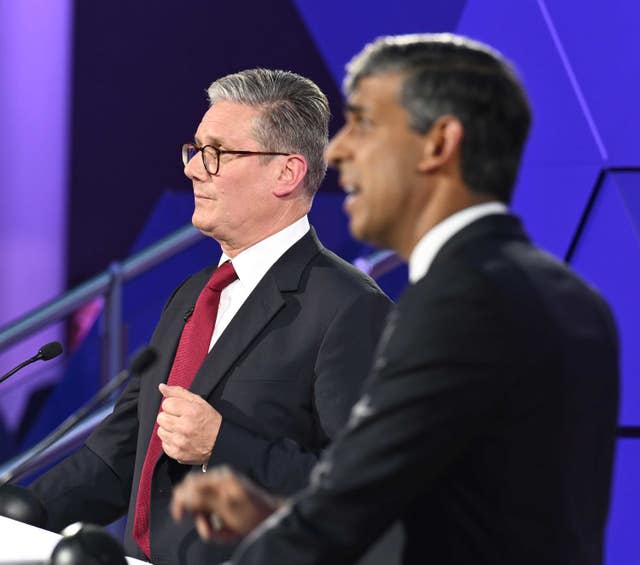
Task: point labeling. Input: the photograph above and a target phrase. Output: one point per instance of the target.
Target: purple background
(35, 68)
(95, 98)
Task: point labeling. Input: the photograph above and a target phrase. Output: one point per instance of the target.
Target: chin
(377, 239)
(355, 230)
(362, 232)
(204, 227)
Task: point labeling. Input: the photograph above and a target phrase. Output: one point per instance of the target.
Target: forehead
(227, 122)
(377, 93)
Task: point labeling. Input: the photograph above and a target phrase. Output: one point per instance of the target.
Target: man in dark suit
(488, 423)
(269, 384)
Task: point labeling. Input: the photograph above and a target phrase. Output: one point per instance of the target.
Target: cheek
(385, 202)
(368, 211)
(382, 182)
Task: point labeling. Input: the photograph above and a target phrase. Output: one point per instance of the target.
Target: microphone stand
(140, 362)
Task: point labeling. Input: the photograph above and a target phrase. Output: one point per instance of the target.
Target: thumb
(175, 392)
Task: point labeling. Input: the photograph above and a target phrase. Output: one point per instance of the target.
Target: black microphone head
(85, 543)
(19, 503)
(50, 350)
(142, 359)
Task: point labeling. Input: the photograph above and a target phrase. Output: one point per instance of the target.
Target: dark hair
(450, 74)
(294, 114)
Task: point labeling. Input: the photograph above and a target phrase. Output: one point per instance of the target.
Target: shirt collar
(253, 263)
(430, 243)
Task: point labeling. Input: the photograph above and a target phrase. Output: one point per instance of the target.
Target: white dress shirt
(251, 265)
(431, 242)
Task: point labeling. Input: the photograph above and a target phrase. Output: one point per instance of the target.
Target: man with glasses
(260, 358)
(488, 423)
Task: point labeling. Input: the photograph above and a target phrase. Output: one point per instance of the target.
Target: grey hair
(447, 74)
(294, 114)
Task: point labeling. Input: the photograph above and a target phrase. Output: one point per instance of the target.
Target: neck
(233, 248)
(445, 203)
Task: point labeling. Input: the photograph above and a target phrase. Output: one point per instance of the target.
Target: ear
(290, 175)
(442, 144)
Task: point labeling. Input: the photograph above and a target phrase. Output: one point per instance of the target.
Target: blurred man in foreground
(261, 358)
(488, 423)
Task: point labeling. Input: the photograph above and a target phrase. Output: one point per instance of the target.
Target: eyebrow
(353, 109)
(209, 140)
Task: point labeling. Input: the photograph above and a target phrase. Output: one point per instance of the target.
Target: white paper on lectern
(23, 542)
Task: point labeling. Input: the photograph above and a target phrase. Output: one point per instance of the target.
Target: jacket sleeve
(94, 483)
(343, 362)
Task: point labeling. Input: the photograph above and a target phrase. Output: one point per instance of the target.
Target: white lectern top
(21, 542)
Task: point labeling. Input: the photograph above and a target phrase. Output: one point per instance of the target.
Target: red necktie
(192, 349)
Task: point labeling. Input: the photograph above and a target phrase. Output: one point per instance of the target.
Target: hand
(188, 425)
(235, 503)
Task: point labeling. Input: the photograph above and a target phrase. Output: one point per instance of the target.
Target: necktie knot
(222, 277)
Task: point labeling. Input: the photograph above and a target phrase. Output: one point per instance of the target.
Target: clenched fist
(187, 425)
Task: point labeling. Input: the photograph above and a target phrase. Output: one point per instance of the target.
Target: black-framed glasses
(211, 155)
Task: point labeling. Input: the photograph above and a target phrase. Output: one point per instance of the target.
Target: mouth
(351, 189)
(352, 192)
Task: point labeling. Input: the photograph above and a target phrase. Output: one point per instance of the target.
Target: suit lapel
(259, 309)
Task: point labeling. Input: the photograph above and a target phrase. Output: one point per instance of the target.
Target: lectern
(25, 545)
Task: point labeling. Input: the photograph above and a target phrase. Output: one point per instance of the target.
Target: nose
(194, 169)
(337, 150)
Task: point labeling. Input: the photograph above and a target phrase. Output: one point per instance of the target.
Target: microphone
(142, 359)
(85, 543)
(45, 353)
(19, 503)
(48, 351)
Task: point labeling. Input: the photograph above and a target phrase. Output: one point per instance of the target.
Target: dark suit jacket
(284, 375)
(487, 426)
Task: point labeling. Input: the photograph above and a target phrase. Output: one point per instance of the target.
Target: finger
(172, 446)
(176, 392)
(181, 407)
(170, 451)
(163, 434)
(204, 527)
(184, 496)
(175, 406)
(168, 445)
(168, 422)
(225, 534)
(177, 508)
